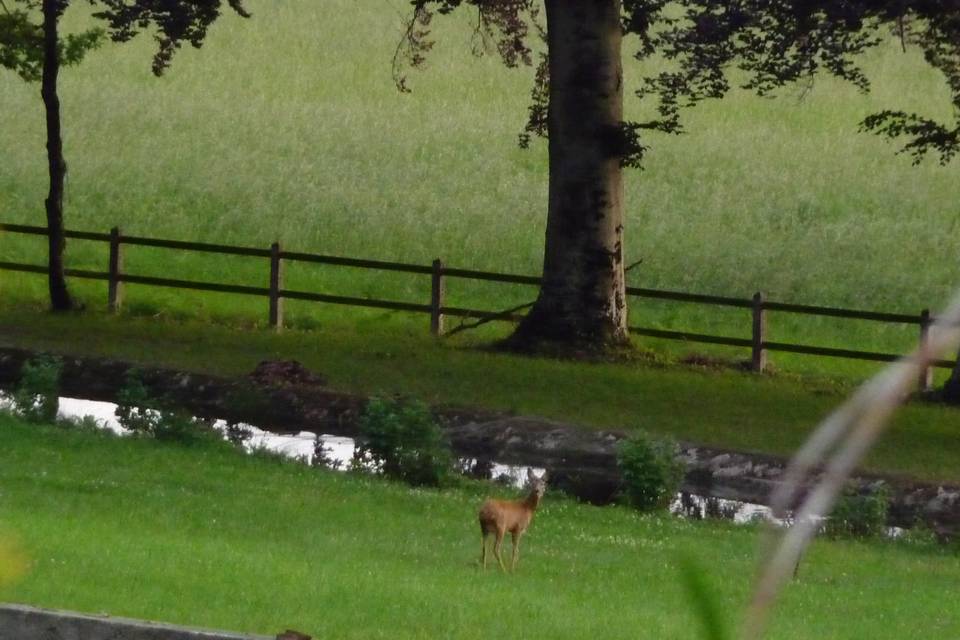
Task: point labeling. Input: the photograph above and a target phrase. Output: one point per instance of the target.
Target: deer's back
(503, 514)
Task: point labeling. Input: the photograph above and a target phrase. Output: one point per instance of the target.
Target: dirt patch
(285, 373)
(706, 361)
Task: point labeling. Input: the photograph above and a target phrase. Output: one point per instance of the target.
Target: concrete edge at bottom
(22, 622)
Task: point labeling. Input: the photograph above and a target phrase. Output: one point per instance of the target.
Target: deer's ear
(543, 478)
(531, 476)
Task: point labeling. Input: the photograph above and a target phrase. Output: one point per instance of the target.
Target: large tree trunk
(581, 301)
(60, 299)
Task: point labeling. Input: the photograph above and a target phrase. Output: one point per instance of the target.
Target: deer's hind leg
(483, 549)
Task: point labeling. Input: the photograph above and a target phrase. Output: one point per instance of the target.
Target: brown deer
(499, 516)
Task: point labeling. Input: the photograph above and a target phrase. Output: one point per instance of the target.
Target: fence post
(276, 282)
(758, 360)
(437, 295)
(926, 374)
(114, 285)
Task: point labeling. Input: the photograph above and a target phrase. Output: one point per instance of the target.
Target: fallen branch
(463, 326)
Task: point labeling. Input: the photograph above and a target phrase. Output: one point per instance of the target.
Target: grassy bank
(287, 126)
(723, 407)
(209, 537)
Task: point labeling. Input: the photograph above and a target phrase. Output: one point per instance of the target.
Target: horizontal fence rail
(678, 296)
(759, 306)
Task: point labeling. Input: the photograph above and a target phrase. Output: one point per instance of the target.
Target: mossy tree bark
(582, 299)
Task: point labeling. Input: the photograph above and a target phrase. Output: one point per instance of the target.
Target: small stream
(339, 451)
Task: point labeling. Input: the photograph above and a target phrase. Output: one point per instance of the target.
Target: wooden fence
(758, 305)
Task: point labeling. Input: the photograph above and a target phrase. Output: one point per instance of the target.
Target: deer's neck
(532, 501)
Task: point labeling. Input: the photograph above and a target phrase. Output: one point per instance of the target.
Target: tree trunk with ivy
(60, 299)
(582, 299)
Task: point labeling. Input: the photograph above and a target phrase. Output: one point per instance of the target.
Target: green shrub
(175, 425)
(261, 451)
(86, 423)
(37, 396)
(237, 434)
(401, 439)
(650, 471)
(142, 414)
(920, 535)
(246, 402)
(136, 410)
(322, 455)
(858, 514)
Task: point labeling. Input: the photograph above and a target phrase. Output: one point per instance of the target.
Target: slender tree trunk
(60, 299)
(582, 299)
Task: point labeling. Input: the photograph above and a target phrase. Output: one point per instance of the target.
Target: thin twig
(406, 44)
(805, 89)
(479, 44)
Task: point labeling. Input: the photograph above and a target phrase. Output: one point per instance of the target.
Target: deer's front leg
(516, 551)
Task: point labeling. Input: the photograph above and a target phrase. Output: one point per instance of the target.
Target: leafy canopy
(172, 21)
(175, 22)
(772, 42)
(21, 39)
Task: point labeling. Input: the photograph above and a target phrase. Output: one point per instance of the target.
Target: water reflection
(338, 452)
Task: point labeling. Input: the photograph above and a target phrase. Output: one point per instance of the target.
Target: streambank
(283, 397)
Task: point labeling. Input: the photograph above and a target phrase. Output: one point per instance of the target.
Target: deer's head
(537, 485)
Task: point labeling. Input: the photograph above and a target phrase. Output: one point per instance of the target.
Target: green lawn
(287, 126)
(387, 353)
(210, 537)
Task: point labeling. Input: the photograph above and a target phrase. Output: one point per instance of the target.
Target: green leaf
(704, 600)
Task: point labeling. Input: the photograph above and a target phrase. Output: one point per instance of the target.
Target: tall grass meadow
(288, 127)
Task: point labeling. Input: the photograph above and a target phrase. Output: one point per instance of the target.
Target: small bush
(37, 396)
(261, 451)
(136, 410)
(920, 535)
(650, 470)
(237, 434)
(321, 455)
(859, 515)
(87, 424)
(248, 403)
(401, 439)
(144, 415)
(174, 425)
